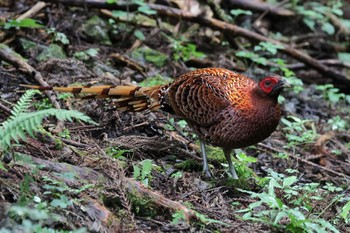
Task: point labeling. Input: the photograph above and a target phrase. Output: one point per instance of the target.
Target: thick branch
(259, 7)
(221, 26)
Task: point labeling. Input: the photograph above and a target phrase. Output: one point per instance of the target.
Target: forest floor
(142, 172)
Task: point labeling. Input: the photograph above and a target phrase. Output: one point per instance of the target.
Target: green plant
(64, 134)
(33, 216)
(43, 104)
(143, 172)
(182, 50)
(268, 47)
(85, 55)
(241, 165)
(253, 57)
(155, 80)
(56, 187)
(345, 212)
(296, 83)
(177, 175)
(150, 55)
(58, 36)
(117, 153)
(22, 122)
(64, 96)
(317, 14)
(299, 131)
(143, 7)
(178, 217)
(63, 202)
(204, 219)
(22, 23)
(337, 123)
(139, 35)
(331, 93)
(237, 12)
(292, 217)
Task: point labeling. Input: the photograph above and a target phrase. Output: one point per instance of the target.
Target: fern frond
(23, 103)
(28, 123)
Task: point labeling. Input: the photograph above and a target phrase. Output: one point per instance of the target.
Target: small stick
(32, 11)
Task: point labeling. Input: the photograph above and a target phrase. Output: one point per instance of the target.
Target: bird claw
(207, 173)
(234, 175)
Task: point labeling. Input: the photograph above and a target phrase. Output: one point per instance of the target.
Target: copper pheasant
(224, 108)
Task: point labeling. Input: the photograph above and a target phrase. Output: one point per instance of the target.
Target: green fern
(22, 122)
(24, 103)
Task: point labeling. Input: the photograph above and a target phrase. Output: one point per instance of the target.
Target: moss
(142, 206)
(215, 153)
(189, 165)
(96, 30)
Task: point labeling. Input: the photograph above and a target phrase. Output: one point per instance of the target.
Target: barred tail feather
(128, 98)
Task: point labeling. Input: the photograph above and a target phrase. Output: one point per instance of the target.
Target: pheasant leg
(206, 170)
(230, 165)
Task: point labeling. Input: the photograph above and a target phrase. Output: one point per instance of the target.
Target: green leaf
(289, 181)
(139, 35)
(137, 172)
(344, 57)
(178, 216)
(345, 212)
(2, 167)
(328, 28)
(310, 23)
(146, 168)
(119, 14)
(237, 12)
(146, 10)
(17, 127)
(150, 55)
(23, 23)
(63, 202)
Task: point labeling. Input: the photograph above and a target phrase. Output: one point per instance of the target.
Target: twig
(130, 63)
(5, 109)
(304, 161)
(32, 11)
(9, 56)
(74, 143)
(218, 12)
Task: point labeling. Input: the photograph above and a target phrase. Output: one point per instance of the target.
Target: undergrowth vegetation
(295, 181)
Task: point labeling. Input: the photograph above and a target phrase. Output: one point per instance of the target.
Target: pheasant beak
(284, 83)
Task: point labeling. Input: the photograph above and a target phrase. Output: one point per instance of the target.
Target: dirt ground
(89, 170)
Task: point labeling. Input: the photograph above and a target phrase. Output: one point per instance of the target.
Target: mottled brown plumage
(226, 109)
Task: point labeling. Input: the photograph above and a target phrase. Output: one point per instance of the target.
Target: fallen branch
(132, 186)
(32, 11)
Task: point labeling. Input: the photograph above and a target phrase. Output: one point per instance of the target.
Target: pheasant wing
(199, 99)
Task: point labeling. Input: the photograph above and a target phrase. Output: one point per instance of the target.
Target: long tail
(127, 98)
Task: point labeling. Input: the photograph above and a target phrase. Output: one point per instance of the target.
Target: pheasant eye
(268, 83)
